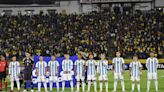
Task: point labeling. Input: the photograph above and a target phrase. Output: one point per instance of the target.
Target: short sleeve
(75, 62)
(49, 63)
(37, 64)
(140, 64)
(156, 60)
(45, 64)
(122, 60)
(87, 63)
(57, 63)
(113, 61)
(130, 64)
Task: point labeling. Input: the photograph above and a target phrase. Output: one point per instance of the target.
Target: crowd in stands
(130, 33)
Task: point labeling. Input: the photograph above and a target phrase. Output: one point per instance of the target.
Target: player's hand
(113, 72)
(36, 73)
(140, 74)
(122, 72)
(56, 74)
(130, 74)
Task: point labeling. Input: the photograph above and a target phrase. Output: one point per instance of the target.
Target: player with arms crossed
(151, 64)
(91, 65)
(41, 69)
(3, 72)
(28, 63)
(135, 72)
(79, 69)
(118, 70)
(14, 72)
(102, 70)
(67, 66)
(53, 67)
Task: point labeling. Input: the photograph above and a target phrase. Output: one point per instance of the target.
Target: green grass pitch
(127, 83)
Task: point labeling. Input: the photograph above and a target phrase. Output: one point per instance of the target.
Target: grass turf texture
(127, 81)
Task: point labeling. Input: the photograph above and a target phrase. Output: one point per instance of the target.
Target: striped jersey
(151, 64)
(102, 67)
(79, 66)
(67, 65)
(14, 68)
(41, 66)
(91, 64)
(53, 67)
(118, 68)
(135, 66)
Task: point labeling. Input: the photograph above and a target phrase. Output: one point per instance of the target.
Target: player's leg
(89, 82)
(101, 82)
(31, 82)
(149, 76)
(138, 85)
(71, 81)
(12, 83)
(122, 82)
(95, 83)
(115, 81)
(83, 84)
(25, 82)
(106, 82)
(51, 83)
(63, 82)
(18, 83)
(133, 83)
(44, 83)
(39, 83)
(78, 82)
(0, 84)
(57, 83)
(155, 81)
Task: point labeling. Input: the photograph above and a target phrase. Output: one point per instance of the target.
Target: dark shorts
(27, 75)
(3, 75)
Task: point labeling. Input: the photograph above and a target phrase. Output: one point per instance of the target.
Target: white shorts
(53, 79)
(79, 77)
(118, 76)
(103, 77)
(67, 77)
(151, 76)
(91, 77)
(41, 79)
(135, 78)
(14, 78)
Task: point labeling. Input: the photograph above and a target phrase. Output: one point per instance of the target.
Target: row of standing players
(93, 68)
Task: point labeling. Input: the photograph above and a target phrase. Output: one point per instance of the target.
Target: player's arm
(123, 66)
(57, 69)
(75, 68)
(130, 69)
(157, 62)
(113, 64)
(84, 69)
(140, 69)
(37, 68)
(147, 60)
(19, 68)
(63, 66)
(9, 69)
(46, 68)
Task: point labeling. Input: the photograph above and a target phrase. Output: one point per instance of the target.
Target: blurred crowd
(43, 34)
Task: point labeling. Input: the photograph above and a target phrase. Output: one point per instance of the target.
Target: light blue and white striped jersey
(53, 67)
(67, 65)
(14, 68)
(102, 67)
(91, 64)
(151, 64)
(79, 66)
(41, 66)
(135, 72)
(118, 64)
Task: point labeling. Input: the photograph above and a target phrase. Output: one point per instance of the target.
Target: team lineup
(80, 68)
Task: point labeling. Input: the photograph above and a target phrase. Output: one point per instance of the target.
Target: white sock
(123, 85)
(115, 84)
(57, 85)
(51, 84)
(12, 85)
(95, 86)
(45, 86)
(89, 86)
(71, 83)
(39, 86)
(133, 85)
(101, 86)
(106, 84)
(138, 86)
(78, 84)
(148, 85)
(63, 85)
(83, 86)
(156, 85)
(18, 84)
